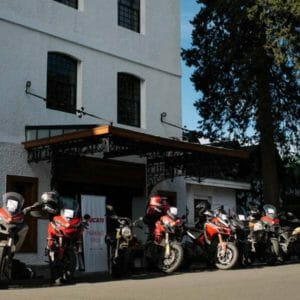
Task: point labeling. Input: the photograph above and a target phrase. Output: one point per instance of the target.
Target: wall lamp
(28, 86)
(163, 116)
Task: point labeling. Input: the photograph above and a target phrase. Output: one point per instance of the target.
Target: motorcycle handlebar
(28, 209)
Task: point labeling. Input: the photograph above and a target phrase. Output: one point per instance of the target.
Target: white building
(120, 61)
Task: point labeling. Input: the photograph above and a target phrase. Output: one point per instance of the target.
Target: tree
(246, 59)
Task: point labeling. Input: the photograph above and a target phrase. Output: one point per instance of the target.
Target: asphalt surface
(255, 283)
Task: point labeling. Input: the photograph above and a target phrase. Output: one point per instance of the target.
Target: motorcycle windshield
(12, 202)
(69, 207)
(270, 211)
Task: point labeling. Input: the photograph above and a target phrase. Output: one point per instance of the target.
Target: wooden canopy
(166, 158)
(142, 141)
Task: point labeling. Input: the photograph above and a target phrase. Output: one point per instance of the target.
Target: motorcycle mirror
(86, 217)
(183, 217)
(109, 207)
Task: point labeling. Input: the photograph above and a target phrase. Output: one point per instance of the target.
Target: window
(129, 14)
(27, 187)
(72, 3)
(61, 82)
(129, 98)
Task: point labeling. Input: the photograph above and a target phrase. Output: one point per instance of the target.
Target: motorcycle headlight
(68, 213)
(126, 232)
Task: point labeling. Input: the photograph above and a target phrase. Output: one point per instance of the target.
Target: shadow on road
(43, 280)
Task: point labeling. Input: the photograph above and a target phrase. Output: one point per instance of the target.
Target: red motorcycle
(13, 230)
(164, 249)
(64, 241)
(211, 244)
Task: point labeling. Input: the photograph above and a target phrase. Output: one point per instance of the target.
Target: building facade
(70, 65)
(94, 54)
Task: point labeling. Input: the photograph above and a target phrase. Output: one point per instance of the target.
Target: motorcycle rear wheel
(175, 259)
(227, 260)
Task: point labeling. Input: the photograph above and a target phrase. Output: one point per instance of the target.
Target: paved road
(278, 282)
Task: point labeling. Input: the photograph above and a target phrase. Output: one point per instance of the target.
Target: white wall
(96, 27)
(217, 196)
(29, 31)
(187, 192)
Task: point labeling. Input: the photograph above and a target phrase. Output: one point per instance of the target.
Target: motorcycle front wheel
(118, 266)
(63, 270)
(272, 252)
(174, 260)
(228, 259)
(5, 263)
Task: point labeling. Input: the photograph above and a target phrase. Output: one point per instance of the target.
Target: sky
(190, 116)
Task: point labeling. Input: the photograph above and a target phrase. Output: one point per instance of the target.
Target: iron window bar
(129, 14)
(80, 112)
(71, 3)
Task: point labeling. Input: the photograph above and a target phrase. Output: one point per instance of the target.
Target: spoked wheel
(174, 260)
(226, 259)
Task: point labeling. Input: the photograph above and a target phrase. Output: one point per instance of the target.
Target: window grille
(129, 14)
(129, 98)
(61, 82)
(71, 3)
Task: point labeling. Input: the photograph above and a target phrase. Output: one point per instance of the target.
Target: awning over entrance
(166, 157)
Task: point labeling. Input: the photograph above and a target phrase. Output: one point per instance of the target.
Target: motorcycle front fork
(50, 252)
(80, 262)
(167, 246)
(222, 244)
(53, 248)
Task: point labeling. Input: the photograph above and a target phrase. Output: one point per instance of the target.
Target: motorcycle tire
(272, 252)
(2, 255)
(69, 261)
(229, 260)
(246, 256)
(5, 263)
(63, 270)
(174, 261)
(118, 266)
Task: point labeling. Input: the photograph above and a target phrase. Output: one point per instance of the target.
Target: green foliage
(233, 43)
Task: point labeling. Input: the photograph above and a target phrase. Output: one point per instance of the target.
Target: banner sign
(94, 247)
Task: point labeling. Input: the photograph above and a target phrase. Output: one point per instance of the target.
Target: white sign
(95, 249)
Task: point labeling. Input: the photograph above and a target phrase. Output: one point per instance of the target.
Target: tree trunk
(265, 126)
